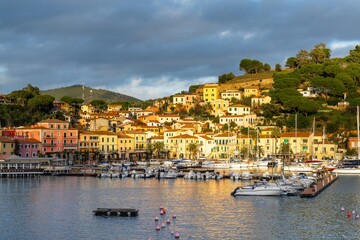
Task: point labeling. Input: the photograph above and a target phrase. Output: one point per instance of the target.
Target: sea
(56, 207)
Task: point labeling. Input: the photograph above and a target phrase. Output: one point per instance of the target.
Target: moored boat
(258, 189)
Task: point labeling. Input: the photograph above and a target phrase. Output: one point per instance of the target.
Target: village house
(230, 94)
(238, 109)
(258, 101)
(169, 118)
(251, 91)
(219, 106)
(240, 120)
(7, 145)
(210, 92)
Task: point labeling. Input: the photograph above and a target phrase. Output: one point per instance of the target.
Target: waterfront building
(179, 146)
(7, 145)
(28, 147)
(55, 135)
(88, 143)
(126, 144)
(206, 145)
(140, 144)
(107, 143)
(225, 146)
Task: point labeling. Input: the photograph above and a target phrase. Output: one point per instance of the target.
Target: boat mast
(358, 132)
(312, 143)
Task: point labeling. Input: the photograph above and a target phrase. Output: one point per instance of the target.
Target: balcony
(49, 144)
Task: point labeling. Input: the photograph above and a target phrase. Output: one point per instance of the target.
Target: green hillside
(89, 94)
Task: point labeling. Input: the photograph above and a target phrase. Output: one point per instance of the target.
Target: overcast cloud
(155, 48)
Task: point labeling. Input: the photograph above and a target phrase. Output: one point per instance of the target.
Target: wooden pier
(121, 212)
(320, 186)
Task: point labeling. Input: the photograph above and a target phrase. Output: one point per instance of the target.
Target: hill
(89, 94)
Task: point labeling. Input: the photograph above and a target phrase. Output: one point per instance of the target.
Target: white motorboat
(347, 171)
(264, 162)
(298, 168)
(258, 189)
(216, 165)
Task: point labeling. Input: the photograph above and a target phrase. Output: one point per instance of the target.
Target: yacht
(348, 166)
(258, 189)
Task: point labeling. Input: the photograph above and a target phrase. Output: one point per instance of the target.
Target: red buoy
(349, 214)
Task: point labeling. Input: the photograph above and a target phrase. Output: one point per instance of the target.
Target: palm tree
(158, 147)
(193, 148)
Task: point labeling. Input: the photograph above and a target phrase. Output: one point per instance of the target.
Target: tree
(245, 65)
(33, 90)
(71, 100)
(193, 149)
(354, 55)
(42, 103)
(99, 104)
(302, 58)
(291, 62)
(158, 147)
(226, 77)
(267, 67)
(320, 53)
(20, 96)
(278, 67)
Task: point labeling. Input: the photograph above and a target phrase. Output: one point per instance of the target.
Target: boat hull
(261, 192)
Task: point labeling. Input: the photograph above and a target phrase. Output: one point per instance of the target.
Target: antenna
(83, 91)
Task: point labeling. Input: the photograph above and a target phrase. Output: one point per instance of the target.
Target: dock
(121, 212)
(319, 186)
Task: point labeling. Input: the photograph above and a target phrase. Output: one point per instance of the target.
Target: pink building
(29, 147)
(54, 135)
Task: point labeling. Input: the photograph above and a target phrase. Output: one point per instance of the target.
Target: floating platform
(320, 186)
(121, 212)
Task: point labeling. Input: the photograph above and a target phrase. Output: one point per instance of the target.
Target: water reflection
(61, 208)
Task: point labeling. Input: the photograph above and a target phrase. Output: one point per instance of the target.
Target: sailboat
(351, 166)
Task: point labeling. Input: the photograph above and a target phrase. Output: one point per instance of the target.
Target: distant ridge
(89, 94)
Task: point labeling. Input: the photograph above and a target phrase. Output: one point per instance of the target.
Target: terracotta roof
(123, 136)
(28, 140)
(184, 136)
(6, 139)
(292, 134)
(239, 105)
(52, 121)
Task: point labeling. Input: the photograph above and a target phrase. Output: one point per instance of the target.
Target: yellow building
(219, 106)
(126, 144)
(230, 94)
(251, 91)
(140, 141)
(88, 141)
(258, 101)
(210, 92)
(179, 99)
(179, 146)
(7, 145)
(107, 142)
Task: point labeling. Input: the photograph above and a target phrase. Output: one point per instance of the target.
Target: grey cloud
(108, 43)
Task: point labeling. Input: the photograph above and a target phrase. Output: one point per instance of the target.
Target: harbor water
(61, 208)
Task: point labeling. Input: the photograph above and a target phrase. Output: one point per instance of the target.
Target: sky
(154, 48)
